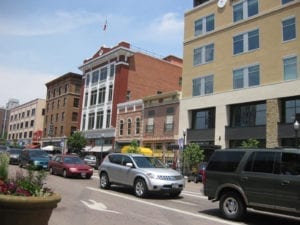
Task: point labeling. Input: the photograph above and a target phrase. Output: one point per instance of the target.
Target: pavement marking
(92, 204)
(199, 215)
(194, 195)
(183, 202)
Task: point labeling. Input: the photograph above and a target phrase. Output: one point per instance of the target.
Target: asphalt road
(83, 203)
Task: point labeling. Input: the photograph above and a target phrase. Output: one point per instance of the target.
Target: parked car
(145, 174)
(70, 166)
(90, 160)
(14, 154)
(35, 157)
(263, 179)
(197, 177)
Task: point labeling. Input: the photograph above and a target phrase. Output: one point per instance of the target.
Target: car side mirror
(129, 164)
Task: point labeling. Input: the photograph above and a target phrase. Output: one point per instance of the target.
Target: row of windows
(21, 125)
(244, 77)
(17, 116)
(56, 117)
(98, 96)
(20, 135)
(64, 102)
(96, 120)
(136, 128)
(99, 75)
(241, 11)
(244, 42)
(246, 115)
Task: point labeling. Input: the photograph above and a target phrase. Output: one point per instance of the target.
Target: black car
(14, 154)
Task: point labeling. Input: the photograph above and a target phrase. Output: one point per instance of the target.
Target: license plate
(83, 174)
(175, 185)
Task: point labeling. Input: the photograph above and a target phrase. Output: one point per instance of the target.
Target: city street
(83, 203)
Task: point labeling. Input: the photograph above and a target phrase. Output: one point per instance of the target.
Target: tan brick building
(241, 72)
(62, 108)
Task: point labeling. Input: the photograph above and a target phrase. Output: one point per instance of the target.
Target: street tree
(250, 143)
(193, 155)
(76, 142)
(134, 147)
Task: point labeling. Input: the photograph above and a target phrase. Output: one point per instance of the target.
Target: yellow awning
(144, 150)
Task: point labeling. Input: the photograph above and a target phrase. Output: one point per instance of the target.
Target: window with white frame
(91, 121)
(203, 54)
(289, 29)
(129, 126)
(99, 120)
(204, 25)
(112, 70)
(150, 125)
(121, 129)
(244, 9)
(101, 95)
(137, 125)
(103, 74)
(203, 85)
(95, 77)
(87, 80)
(93, 97)
(246, 77)
(108, 115)
(290, 68)
(246, 42)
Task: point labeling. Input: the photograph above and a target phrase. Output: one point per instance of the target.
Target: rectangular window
(246, 77)
(204, 25)
(101, 97)
(203, 54)
(83, 121)
(289, 29)
(291, 109)
(203, 85)
(87, 80)
(203, 119)
(108, 115)
(248, 115)
(76, 102)
(62, 116)
(74, 116)
(150, 125)
(112, 70)
(86, 99)
(93, 97)
(99, 120)
(95, 77)
(246, 42)
(33, 112)
(91, 121)
(245, 9)
(110, 93)
(103, 74)
(285, 1)
(290, 68)
(169, 124)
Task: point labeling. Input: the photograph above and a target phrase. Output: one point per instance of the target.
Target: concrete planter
(19, 210)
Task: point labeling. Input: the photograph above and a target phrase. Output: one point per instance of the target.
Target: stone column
(273, 118)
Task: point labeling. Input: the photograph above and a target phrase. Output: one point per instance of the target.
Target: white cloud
(23, 85)
(40, 24)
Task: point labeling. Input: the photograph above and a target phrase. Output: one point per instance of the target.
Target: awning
(50, 148)
(144, 150)
(99, 149)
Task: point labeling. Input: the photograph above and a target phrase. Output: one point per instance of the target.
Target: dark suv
(262, 179)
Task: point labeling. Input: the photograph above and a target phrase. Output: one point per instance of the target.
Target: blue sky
(44, 39)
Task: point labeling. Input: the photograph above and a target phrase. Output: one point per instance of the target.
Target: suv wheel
(232, 206)
(104, 181)
(140, 188)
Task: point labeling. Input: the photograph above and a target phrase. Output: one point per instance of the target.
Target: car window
(35, 153)
(117, 159)
(290, 164)
(261, 162)
(226, 161)
(125, 160)
(148, 162)
(72, 160)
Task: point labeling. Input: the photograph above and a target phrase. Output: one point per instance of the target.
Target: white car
(145, 174)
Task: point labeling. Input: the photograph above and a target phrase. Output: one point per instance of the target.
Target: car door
(57, 165)
(114, 167)
(125, 171)
(258, 179)
(288, 187)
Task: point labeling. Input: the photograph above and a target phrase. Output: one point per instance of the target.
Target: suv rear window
(226, 161)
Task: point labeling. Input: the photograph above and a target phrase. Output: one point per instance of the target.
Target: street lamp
(296, 128)
(183, 163)
(101, 154)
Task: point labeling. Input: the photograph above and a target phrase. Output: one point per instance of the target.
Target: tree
(192, 156)
(134, 147)
(76, 142)
(250, 143)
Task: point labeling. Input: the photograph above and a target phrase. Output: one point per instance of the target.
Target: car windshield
(15, 151)
(36, 153)
(90, 157)
(72, 160)
(148, 162)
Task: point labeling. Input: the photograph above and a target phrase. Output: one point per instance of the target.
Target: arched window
(129, 126)
(137, 125)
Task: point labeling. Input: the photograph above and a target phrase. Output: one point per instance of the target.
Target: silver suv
(145, 174)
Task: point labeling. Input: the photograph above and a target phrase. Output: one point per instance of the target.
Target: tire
(140, 188)
(88, 176)
(104, 181)
(232, 206)
(175, 193)
(65, 174)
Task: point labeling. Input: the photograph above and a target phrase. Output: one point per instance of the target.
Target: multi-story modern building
(241, 72)
(62, 108)
(117, 75)
(24, 121)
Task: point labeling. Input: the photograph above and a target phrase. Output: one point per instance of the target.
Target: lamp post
(101, 154)
(296, 128)
(183, 163)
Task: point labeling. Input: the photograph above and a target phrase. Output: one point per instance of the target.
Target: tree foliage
(250, 143)
(134, 147)
(76, 142)
(193, 155)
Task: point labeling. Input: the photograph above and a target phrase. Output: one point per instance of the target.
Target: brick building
(62, 108)
(117, 75)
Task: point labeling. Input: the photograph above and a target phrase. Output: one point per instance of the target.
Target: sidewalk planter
(22, 210)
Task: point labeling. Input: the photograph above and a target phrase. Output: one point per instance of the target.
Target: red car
(69, 165)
